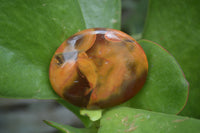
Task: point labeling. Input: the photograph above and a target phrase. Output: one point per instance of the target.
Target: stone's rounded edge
(115, 82)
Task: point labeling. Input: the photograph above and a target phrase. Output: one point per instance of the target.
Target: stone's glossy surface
(98, 68)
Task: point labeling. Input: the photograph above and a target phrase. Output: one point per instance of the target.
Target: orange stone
(98, 68)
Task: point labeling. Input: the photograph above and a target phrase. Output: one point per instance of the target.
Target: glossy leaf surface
(30, 33)
(165, 89)
(98, 13)
(175, 25)
(139, 121)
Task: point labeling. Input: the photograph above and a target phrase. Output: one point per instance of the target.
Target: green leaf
(165, 89)
(175, 25)
(94, 115)
(128, 120)
(98, 13)
(30, 33)
(69, 129)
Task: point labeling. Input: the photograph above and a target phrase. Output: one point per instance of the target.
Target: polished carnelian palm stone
(98, 68)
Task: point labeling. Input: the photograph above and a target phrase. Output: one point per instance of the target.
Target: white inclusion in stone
(111, 35)
(70, 56)
(72, 42)
(99, 32)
